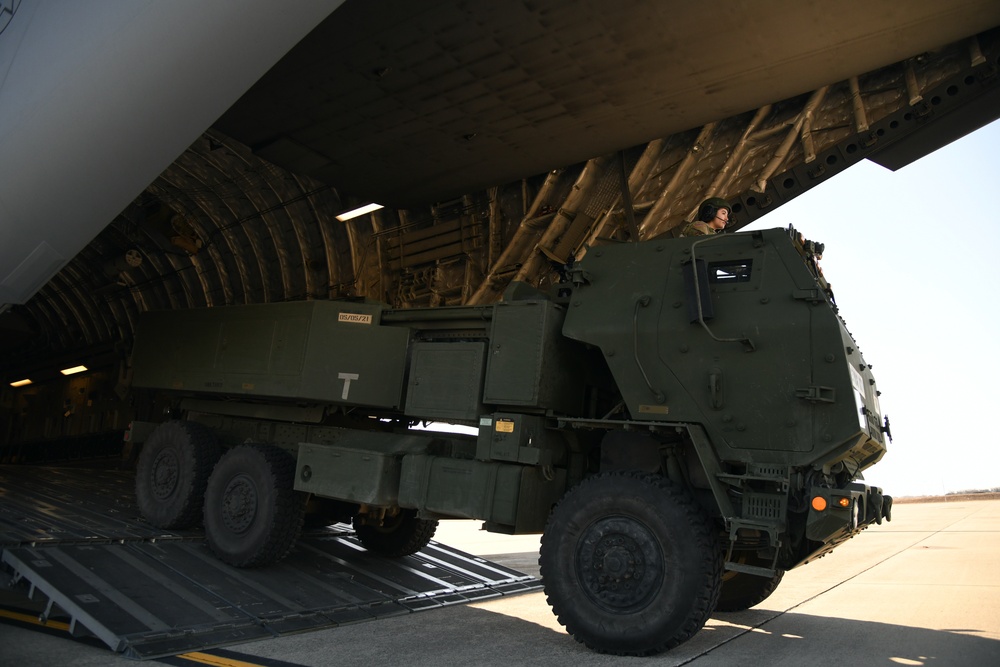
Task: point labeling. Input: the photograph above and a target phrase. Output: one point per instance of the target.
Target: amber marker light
(819, 503)
(844, 502)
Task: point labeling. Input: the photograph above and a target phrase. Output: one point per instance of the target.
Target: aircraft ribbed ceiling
(222, 225)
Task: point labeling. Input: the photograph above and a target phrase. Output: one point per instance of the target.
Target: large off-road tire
(740, 591)
(172, 473)
(401, 535)
(253, 516)
(630, 563)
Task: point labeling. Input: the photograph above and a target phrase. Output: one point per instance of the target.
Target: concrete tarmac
(922, 590)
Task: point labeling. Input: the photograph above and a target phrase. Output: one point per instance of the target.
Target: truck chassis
(682, 419)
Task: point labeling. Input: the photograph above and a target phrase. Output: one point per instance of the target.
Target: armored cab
(736, 333)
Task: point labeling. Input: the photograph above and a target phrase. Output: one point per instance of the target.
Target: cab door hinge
(816, 393)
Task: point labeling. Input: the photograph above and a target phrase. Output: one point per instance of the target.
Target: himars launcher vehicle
(682, 419)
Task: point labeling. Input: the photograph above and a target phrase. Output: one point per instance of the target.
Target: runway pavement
(922, 590)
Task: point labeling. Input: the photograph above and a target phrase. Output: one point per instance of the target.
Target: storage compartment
(446, 381)
(531, 364)
(348, 474)
(359, 466)
(510, 498)
(456, 488)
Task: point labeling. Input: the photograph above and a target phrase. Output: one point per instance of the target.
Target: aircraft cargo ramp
(72, 539)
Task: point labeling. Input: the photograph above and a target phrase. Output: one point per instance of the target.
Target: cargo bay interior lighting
(361, 210)
(74, 369)
(21, 383)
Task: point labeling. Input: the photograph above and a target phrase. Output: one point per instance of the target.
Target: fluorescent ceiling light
(75, 369)
(20, 383)
(361, 210)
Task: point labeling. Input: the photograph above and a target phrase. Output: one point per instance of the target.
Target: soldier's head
(715, 211)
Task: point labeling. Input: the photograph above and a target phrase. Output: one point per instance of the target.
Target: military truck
(683, 420)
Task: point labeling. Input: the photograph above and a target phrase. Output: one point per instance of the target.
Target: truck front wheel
(630, 563)
(253, 516)
(398, 536)
(172, 473)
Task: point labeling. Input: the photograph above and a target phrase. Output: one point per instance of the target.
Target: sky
(912, 259)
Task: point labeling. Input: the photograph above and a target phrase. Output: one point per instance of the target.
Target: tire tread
(704, 535)
(285, 524)
(412, 535)
(200, 452)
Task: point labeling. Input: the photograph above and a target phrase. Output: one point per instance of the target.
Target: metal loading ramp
(147, 594)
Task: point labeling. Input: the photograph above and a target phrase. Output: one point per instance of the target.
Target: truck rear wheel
(172, 473)
(253, 516)
(630, 563)
(398, 536)
(740, 591)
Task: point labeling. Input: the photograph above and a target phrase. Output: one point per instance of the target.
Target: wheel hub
(619, 564)
(165, 474)
(239, 504)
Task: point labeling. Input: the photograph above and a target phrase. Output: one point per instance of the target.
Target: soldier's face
(720, 220)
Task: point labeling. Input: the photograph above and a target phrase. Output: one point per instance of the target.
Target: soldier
(713, 216)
